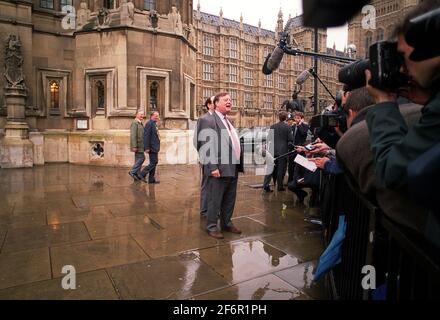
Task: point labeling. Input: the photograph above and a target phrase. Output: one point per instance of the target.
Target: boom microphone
(303, 76)
(273, 61)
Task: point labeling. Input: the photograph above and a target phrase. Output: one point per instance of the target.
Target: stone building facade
(388, 14)
(230, 57)
(88, 65)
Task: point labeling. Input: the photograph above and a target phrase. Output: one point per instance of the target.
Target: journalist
(393, 144)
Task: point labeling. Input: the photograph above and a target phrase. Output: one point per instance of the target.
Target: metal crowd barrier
(406, 266)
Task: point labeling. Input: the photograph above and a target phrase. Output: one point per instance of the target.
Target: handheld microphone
(303, 76)
(273, 61)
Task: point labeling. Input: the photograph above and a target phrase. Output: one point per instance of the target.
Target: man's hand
(320, 147)
(378, 95)
(215, 173)
(320, 162)
(300, 149)
(147, 151)
(134, 149)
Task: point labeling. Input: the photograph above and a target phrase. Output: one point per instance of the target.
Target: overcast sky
(267, 11)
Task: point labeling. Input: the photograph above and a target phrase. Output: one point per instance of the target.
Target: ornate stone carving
(176, 21)
(127, 12)
(14, 63)
(83, 15)
(103, 17)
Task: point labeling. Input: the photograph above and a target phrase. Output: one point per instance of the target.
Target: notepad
(311, 166)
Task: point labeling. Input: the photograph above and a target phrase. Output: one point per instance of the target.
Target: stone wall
(109, 148)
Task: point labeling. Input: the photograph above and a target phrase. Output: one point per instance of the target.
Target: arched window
(100, 94)
(380, 35)
(153, 95)
(149, 5)
(54, 88)
(368, 42)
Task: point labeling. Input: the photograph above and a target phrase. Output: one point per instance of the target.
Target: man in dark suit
(222, 161)
(283, 142)
(204, 195)
(299, 129)
(152, 147)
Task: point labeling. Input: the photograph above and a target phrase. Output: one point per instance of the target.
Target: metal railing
(406, 266)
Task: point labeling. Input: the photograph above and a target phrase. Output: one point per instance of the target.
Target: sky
(267, 11)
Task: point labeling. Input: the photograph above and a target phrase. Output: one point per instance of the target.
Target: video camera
(384, 64)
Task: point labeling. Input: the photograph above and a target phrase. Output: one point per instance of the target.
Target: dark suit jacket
(300, 134)
(283, 138)
(151, 137)
(218, 143)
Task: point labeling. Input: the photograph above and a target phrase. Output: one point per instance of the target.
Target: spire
(259, 26)
(280, 23)
(221, 15)
(241, 21)
(198, 15)
(280, 14)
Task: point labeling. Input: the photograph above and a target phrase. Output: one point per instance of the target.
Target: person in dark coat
(282, 143)
(152, 147)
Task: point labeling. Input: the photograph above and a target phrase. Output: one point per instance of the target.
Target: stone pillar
(16, 150)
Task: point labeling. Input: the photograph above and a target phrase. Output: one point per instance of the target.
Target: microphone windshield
(303, 77)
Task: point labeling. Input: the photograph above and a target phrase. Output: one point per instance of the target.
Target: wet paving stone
(304, 246)
(24, 267)
(179, 277)
(301, 277)
(97, 254)
(44, 236)
(244, 260)
(120, 226)
(133, 240)
(94, 285)
(72, 214)
(269, 287)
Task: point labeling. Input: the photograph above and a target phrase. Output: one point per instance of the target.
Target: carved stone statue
(103, 17)
(176, 21)
(83, 15)
(14, 63)
(127, 12)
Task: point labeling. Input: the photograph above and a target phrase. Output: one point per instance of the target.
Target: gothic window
(208, 71)
(248, 100)
(149, 5)
(154, 95)
(99, 101)
(54, 88)
(232, 51)
(47, 4)
(233, 74)
(268, 80)
(248, 77)
(207, 93)
(234, 97)
(208, 45)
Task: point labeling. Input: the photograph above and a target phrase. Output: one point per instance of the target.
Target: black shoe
(302, 196)
(267, 189)
(281, 189)
(134, 176)
(154, 182)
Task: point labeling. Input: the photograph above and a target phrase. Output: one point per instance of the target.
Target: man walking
(137, 144)
(222, 166)
(204, 195)
(299, 129)
(152, 147)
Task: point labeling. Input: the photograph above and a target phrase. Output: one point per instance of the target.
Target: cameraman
(393, 144)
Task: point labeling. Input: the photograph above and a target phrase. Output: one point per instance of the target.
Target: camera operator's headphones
(421, 35)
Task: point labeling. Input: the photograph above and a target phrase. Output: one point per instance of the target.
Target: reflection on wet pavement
(130, 240)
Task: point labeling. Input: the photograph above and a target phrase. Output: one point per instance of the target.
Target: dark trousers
(204, 194)
(280, 170)
(139, 158)
(268, 177)
(223, 192)
(150, 170)
(291, 167)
